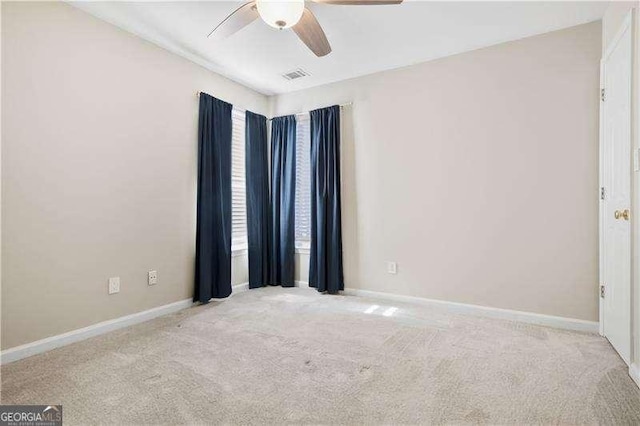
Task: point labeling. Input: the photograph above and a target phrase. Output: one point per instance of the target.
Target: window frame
(303, 148)
(240, 245)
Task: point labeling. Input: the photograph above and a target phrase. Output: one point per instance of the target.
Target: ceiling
(365, 39)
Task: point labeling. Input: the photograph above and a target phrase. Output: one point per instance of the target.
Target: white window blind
(238, 181)
(303, 178)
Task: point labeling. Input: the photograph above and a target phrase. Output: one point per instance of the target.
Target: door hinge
(602, 291)
(602, 192)
(602, 97)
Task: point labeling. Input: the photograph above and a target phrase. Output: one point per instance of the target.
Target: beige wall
(611, 22)
(99, 168)
(477, 173)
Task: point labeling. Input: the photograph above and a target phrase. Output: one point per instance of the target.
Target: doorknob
(624, 214)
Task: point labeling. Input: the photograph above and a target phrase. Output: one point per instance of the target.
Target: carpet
(275, 355)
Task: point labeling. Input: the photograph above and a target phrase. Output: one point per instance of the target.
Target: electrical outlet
(114, 285)
(392, 267)
(153, 277)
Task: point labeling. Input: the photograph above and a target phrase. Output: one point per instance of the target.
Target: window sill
(239, 250)
(303, 247)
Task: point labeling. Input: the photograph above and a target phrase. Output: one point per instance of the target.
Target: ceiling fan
(284, 14)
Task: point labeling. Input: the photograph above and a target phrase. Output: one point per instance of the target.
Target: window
(303, 181)
(238, 182)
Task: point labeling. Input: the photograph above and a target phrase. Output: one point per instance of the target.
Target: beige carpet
(294, 356)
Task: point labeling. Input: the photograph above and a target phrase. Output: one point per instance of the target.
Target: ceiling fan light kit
(284, 14)
(280, 14)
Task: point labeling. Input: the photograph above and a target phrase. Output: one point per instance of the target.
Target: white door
(616, 193)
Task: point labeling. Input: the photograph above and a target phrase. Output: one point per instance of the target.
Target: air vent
(295, 74)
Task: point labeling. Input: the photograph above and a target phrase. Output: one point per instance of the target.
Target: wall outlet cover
(392, 267)
(153, 277)
(114, 285)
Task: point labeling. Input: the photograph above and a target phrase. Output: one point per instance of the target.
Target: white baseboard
(634, 372)
(486, 311)
(53, 342)
(49, 343)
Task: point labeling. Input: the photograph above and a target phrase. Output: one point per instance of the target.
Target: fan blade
(359, 2)
(237, 20)
(310, 32)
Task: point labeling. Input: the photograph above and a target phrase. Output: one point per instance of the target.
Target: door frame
(625, 26)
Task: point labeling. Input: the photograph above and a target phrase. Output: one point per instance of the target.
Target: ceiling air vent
(295, 74)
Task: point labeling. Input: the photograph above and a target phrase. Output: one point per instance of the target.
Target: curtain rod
(297, 113)
(307, 112)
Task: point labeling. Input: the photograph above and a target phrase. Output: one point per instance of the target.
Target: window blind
(238, 181)
(303, 179)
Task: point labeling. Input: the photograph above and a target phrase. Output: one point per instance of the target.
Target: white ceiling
(365, 39)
